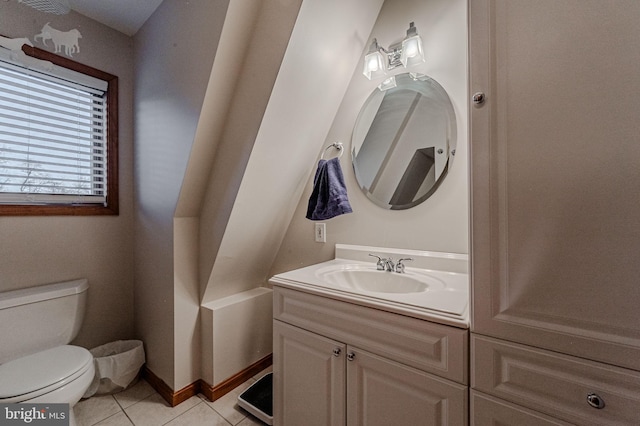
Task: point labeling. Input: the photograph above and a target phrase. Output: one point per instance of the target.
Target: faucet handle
(400, 264)
(379, 263)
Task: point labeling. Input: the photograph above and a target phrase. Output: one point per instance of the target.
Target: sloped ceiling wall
(173, 54)
(240, 171)
(252, 44)
(324, 48)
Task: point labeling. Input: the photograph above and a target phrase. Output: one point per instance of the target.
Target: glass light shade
(374, 65)
(412, 53)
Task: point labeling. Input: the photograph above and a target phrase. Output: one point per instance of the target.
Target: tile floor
(141, 405)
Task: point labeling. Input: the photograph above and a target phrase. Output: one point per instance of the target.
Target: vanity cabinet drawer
(486, 410)
(569, 388)
(434, 348)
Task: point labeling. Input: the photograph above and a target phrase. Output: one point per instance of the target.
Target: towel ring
(336, 145)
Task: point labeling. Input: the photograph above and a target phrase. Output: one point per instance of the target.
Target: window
(58, 136)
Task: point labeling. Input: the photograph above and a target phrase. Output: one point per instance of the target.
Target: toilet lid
(36, 371)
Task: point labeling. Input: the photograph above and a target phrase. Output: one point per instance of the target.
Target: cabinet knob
(479, 98)
(337, 351)
(595, 401)
(351, 356)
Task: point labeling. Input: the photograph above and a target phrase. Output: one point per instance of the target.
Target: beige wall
(441, 222)
(174, 53)
(40, 250)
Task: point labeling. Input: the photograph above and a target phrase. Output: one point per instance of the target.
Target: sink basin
(367, 279)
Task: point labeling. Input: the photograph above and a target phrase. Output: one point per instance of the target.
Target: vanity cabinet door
(381, 392)
(309, 378)
(554, 167)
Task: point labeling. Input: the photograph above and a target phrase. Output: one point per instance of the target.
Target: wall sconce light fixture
(407, 53)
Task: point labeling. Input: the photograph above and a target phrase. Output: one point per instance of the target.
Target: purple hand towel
(329, 196)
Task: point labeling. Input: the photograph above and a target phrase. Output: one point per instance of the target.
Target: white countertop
(445, 302)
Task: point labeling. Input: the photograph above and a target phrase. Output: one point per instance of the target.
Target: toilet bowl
(37, 363)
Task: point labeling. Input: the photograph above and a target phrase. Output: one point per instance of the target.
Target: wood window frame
(111, 206)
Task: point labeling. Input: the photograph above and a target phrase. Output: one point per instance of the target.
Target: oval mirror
(403, 141)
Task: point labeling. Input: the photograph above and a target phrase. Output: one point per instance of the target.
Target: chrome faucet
(389, 266)
(384, 264)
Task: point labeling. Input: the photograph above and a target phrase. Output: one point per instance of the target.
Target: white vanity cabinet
(339, 363)
(555, 212)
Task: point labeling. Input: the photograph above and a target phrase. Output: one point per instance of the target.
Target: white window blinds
(53, 137)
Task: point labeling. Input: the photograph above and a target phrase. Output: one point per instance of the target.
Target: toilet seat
(34, 375)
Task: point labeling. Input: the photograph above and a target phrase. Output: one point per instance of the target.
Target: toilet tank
(37, 318)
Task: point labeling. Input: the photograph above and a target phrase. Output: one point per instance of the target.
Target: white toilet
(36, 363)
